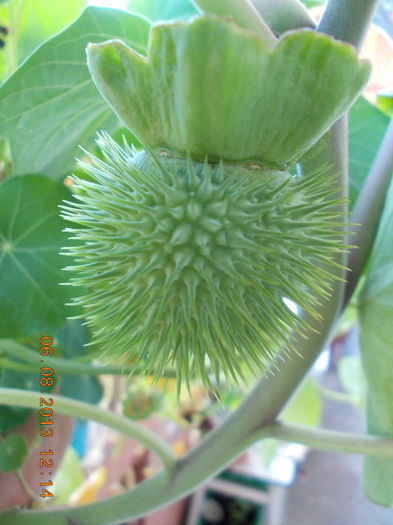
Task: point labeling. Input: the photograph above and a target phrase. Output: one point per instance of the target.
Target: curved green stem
(26, 486)
(73, 408)
(164, 488)
(13, 365)
(330, 439)
(368, 210)
(334, 395)
(59, 365)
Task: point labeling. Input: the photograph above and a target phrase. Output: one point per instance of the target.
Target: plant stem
(73, 408)
(348, 20)
(330, 440)
(26, 486)
(65, 366)
(164, 489)
(13, 365)
(368, 210)
(334, 395)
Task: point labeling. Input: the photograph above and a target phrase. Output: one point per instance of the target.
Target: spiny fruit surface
(190, 264)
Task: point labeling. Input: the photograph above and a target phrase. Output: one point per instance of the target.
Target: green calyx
(211, 87)
(192, 264)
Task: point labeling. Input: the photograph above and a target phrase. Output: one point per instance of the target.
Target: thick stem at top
(348, 20)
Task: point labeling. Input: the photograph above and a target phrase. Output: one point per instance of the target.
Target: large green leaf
(350, 373)
(31, 300)
(376, 339)
(39, 19)
(156, 10)
(84, 388)
(73, 338)
(305, 407)
(50, 105)
(11, 417)
(13, 451)
(385, 101)
(367, 126)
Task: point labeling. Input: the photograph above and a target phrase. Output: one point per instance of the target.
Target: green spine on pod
(191, 254)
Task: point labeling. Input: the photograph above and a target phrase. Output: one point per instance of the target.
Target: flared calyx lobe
(192, 263)
(210, 87)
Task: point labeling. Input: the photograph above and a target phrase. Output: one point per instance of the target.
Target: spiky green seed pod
(187, 261)
(190, 258)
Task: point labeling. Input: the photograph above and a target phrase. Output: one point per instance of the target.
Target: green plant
(187, 249)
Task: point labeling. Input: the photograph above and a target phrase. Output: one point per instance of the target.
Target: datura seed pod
(192, 249)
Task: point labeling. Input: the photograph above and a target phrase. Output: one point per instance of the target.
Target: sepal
(210, 87)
